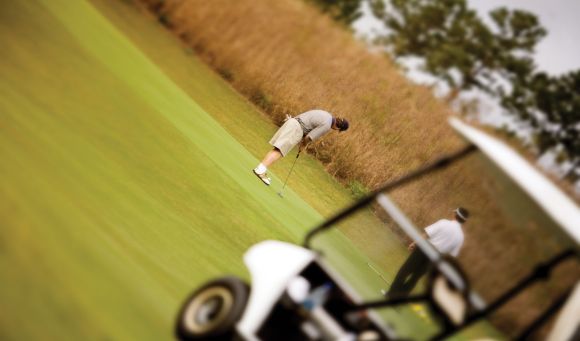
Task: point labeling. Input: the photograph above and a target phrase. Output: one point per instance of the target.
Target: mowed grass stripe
(63, 193)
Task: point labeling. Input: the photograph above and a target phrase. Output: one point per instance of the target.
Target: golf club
(383, 291)
(288, 176)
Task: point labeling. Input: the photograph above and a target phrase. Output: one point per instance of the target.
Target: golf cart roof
(557, 205)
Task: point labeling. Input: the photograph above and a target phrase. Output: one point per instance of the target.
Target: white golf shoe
(263, 176)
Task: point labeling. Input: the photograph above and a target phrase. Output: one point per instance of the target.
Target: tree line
(465, 52)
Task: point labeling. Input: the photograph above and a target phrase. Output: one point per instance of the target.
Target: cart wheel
(212, 310)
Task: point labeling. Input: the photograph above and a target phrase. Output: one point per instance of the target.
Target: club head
(280, 195)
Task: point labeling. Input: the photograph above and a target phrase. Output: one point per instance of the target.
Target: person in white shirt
(303, 129)
(446, 236)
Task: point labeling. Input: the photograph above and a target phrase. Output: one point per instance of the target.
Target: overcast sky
(558, 52)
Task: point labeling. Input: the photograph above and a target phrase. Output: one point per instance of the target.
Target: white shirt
(446, 236)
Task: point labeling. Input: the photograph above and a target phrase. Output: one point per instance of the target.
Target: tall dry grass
(288, 58)
(315, 65)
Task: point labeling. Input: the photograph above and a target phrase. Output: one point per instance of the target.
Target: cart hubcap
(208, 309)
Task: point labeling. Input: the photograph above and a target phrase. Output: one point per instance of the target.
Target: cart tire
(212, 311)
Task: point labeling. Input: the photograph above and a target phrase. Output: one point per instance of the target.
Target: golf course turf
(126, 179)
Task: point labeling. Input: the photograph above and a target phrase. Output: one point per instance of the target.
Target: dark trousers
(409, 274)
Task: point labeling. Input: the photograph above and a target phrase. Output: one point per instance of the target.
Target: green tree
(552, 106)
(457, 46)
(344, 11)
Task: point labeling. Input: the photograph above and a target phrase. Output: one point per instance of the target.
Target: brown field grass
(288, 58)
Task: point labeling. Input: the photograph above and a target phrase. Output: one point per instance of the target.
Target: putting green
(121, 189)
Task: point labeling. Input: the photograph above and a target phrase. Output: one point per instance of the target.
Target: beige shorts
(289, 135)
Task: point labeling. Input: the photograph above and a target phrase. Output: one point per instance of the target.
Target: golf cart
(296, 295)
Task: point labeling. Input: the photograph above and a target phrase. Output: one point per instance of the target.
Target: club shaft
(378, 273)
(290, 172)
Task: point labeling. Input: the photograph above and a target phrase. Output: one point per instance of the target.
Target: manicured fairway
(126, 182)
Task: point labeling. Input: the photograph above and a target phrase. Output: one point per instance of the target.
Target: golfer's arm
(305, 141)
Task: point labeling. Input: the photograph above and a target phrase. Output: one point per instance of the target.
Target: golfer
(446, 236)
(303, 129)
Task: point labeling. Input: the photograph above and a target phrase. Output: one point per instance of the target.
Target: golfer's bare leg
(272, 156)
